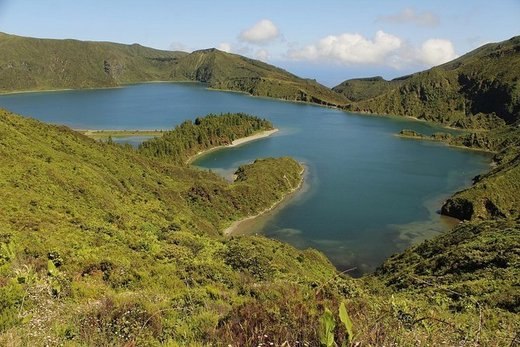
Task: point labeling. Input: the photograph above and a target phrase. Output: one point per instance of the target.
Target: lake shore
(101, 134)
(237, 142)
(232, 229)
(429, 138)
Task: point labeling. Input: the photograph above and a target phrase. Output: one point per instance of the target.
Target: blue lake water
(368, 193)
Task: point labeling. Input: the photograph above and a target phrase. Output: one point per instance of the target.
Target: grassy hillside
(464, 283)
(39, 64)
(495, 194)
(478, 90)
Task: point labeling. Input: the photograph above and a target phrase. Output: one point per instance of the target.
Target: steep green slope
(495, 194)
(478, 90)
(233, 72)
(476, 263)
(39, 64)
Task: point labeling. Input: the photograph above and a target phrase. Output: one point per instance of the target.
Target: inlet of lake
(367, 193)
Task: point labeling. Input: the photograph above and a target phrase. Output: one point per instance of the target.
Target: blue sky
(330, 40)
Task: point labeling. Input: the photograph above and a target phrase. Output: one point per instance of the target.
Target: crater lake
(367, 193)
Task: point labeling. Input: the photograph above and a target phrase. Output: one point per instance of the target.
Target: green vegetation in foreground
(478, 90)
(43, 64)
(100, 245)
(189, 138)
(476, 264)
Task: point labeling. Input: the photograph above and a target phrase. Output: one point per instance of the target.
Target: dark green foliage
(189, 138)
(410, 133)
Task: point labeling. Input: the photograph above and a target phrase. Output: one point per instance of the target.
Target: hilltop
(42, 64)
(480, 89)
(358, 89)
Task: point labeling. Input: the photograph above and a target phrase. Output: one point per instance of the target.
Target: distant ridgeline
(189, 138)
(38, 64)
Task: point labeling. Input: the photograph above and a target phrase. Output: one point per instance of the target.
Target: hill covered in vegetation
(101, 245)
(233, 72)
(42, 64)
(495, 194)
(481, 89)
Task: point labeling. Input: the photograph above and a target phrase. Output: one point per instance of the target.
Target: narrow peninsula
(191, 138)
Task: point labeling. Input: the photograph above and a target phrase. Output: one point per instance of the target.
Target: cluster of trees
(190, 138)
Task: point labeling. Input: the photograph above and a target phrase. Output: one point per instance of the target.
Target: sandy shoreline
(99, 134)
(235, 143)
(236, 224)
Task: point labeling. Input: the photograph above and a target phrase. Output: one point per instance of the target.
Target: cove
(368, 194)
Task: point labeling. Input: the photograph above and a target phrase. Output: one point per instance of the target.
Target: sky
(329, 40)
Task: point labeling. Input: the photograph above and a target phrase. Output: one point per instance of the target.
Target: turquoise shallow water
(368, 193)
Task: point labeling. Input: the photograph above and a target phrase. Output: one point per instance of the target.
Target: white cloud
(384, 49)
(436, 51)
(225, 46)
(260, 33)
(408, 15)
(262, 54)
(350, 49)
